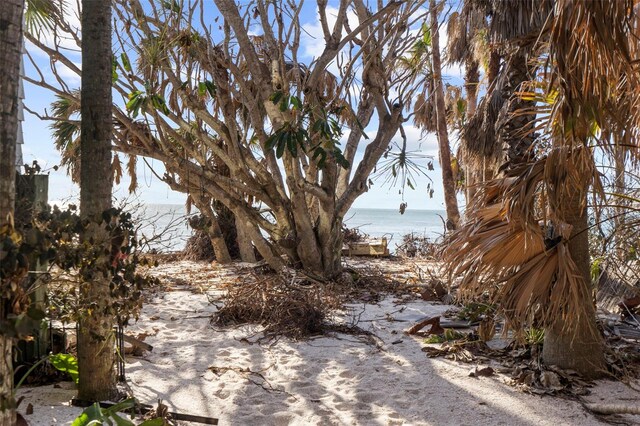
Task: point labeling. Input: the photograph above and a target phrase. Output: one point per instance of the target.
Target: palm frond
(41, 15)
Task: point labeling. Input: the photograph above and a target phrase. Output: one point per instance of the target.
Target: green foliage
(596, 268)
(142, 102)
(205, 87)
(54, 236)
(402, 167)
(534, 336)
(172, 5)
(66, 363)
(95, 415)
(449, 335)
(126, 64)
(476, 311)
(315, 132)
(21, 319)
(41, 15)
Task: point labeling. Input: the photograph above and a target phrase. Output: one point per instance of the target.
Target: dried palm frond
(507, 250)
(425, 112)
(457, 46)
(509, 23)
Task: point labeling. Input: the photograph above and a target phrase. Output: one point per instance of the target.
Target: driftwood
(435, 326)
(613, 408)
(137, 343)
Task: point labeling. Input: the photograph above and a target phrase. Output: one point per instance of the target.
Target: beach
(227, 373)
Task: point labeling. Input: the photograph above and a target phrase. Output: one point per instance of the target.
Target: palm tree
(466, 31)
(96, 336)
(10, 55)
(451, 203)
(589, 83)
(494, 129)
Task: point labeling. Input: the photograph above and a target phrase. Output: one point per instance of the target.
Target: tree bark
(580, 349)
(96, 354)
(10, 54)
(471, 82)
(213, 230)
(245, 246)
(450, 200)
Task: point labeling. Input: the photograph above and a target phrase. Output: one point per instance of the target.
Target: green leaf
(120, 421)
(159, 104)
(211, 87)
(296, 103)
(271, 142)
(284, 104)
(360, 127)
(202, 88)
(121, 406)
(173, 6)
(66, 363)
(114, 70)
(153, 422)
(126, 64)
(281, 145)
(320, 152)
(136, 99)
(35, 313)
(410, 184)
(276, 97)
(292, 143)
(90, 415)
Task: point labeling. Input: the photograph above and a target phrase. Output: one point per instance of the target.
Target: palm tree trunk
(96, 355)
(515, 130)
(10, 53)
(580, 349)
(471, 82)
(450, 200)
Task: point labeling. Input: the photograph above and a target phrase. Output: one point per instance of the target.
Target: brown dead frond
(508, 251)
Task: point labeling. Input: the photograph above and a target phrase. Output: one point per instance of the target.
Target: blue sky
(39, 146)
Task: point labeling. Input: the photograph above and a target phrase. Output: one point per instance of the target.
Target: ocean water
(378, 223)
(166, 224)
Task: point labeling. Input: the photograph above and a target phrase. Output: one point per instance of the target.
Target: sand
(336, 380)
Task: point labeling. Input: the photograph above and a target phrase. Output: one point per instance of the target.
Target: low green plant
(534, 336)
(448, 336)
(96, 415)
(475, 311)
(66, 363)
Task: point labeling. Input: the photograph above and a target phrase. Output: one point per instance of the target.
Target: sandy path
(325, 381)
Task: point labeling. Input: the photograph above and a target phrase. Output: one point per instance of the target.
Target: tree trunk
(450, 200)
(580, 349)
(96, 354)
(471, 82)
(213, 230)
(245, 246)
(10, 53)
(514, 129)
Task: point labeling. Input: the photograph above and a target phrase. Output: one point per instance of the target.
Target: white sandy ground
(324, 381)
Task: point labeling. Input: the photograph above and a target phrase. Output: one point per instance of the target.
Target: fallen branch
(435, 326)
(137, 342)
(613, 408)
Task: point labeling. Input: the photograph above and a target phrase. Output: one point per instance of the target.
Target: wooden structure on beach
(375, 248)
